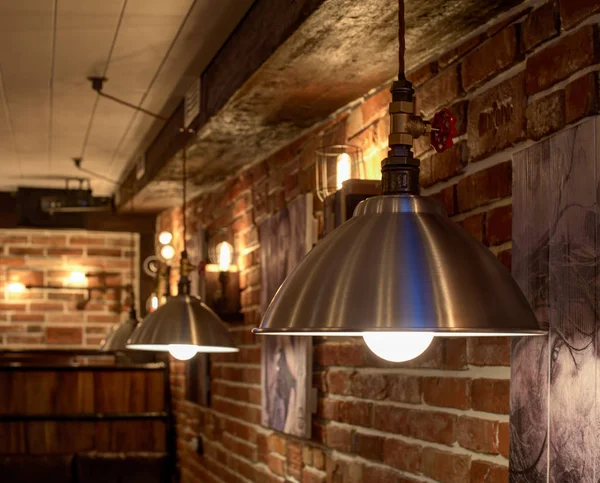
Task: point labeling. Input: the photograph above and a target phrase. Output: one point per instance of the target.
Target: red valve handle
(443, 130)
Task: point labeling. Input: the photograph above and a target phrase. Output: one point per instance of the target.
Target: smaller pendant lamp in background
(184, 325)
(116, 339)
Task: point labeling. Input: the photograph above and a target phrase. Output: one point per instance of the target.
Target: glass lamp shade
(399, 265)
(116, 339)
(182, 322)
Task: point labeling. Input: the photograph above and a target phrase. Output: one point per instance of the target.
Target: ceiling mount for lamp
(400, 272)
(98, 86)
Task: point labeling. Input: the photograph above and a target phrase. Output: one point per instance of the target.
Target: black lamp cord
(401, 39)
(183, 286)
(184, 199)
(132, 311)
(400, 170)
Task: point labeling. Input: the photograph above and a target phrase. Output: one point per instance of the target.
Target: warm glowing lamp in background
(15, 287)
(343, 171)
(165, 237)
(225, 251)
(336, 164)
(77, 278)
(152, 302)
(167, 252)
(222, 279)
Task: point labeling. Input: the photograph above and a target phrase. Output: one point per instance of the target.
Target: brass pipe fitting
(185, 266)
(405, 126)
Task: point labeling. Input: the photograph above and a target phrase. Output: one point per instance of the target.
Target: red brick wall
(444, 416)
(41, 318)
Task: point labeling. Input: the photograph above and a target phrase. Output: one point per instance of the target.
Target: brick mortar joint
(423, 407)
(455, 448)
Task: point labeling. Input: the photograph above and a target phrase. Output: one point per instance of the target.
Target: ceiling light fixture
(98, 85)
(400, 272)
(184, 325)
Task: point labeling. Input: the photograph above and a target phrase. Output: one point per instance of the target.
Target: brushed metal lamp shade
(399, 265)
(183, 321)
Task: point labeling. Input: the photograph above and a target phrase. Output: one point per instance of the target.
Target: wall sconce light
(343, 170)
(336, 164)
(167, 252)
(165, 237)
(152, 302)
(222, 281)
(15, 287)
(165, 249)
(225, 251)
(77, 278)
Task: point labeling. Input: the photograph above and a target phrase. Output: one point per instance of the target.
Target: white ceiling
(150, 50)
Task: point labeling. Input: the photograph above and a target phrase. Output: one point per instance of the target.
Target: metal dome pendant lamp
(116, 339)
(184, 325)
(399, 272)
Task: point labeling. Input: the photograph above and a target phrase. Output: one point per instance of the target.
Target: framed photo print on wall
(286, 361)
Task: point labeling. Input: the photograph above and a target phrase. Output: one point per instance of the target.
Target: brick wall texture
(444, 416)
(49, 318)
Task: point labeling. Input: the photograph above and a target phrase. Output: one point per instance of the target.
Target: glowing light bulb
(183, 352)
(167, 252)
(342, 171)
(152, 302)
(225, 250)
(398, 346)
(15, 287)
(77, 278)
(165, 237)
